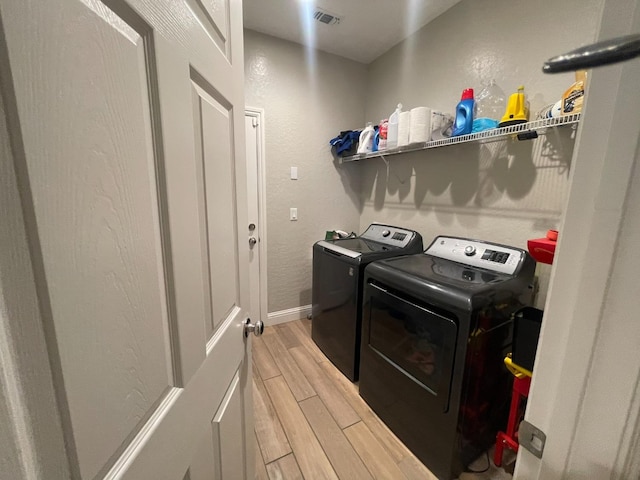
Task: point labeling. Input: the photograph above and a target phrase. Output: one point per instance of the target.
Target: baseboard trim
(288, 315)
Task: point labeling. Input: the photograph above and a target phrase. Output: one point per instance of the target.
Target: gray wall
(303, 111)
(505, 192)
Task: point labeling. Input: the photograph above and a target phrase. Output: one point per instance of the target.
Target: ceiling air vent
(325, 17)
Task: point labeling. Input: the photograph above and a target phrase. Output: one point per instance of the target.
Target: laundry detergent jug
(366, 139)
(463, 123)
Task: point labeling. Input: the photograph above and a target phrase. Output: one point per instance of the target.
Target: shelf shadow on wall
(508, 169)
(455, 169)
(477, 174)
(557, 148)
(433, 171)
(504, 178)
(515, 168)
(351, 179)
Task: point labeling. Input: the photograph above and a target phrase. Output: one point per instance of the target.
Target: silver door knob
(252, 241)
(257, 328)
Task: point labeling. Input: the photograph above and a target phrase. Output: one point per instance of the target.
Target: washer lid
(438, 280)
(446, 272)
(355, 247)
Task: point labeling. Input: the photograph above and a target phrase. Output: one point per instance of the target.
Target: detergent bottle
(463, 123)
(573, 98)
(366, 139)
(376, 139)
(392, 129)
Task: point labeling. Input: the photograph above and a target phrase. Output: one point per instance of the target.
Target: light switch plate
(294, 173)
(293, 214)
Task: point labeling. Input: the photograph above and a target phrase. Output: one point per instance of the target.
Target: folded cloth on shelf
(345, 143)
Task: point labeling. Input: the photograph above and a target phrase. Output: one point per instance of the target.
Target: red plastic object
(509, 439)
(544, 249)
(467, 94)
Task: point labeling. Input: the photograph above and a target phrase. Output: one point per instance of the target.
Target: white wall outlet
(293, 214)
(294, 173)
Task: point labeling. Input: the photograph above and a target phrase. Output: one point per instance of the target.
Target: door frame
(259, 116)
(585, 394)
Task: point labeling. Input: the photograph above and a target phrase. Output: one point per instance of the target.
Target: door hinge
(531, 438)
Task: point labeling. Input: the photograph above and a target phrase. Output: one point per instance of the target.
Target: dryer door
(418, 342)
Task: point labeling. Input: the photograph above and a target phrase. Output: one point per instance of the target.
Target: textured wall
(305, 106)
(505, 192)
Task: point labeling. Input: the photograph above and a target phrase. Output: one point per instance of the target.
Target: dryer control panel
(477, 253)
(389, 235)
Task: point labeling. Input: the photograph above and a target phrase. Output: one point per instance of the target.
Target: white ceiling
(367, 28)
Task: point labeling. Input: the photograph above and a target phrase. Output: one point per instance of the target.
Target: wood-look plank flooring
(310, 422)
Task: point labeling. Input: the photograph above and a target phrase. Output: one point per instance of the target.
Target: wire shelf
(493, 135)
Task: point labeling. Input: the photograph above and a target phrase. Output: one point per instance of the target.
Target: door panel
(93, 181)
(200, 165)
(203, 465)
(213, 126)
(228, 433)
(133, 203)
(166, 447)
(213, 15)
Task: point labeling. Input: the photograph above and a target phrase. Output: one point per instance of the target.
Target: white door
(257, 228)
(126, 127)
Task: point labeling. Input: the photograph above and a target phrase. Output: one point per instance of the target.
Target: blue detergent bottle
(463, 123)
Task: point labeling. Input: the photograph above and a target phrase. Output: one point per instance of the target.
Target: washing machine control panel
(388, 235)
(490, 256)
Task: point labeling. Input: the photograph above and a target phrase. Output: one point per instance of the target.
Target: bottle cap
(467, 94)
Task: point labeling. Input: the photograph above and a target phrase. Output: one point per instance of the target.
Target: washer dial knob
(386, 233)
(470, 250)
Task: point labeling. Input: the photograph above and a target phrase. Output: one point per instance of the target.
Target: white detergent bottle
(392, 132)
(365, 145)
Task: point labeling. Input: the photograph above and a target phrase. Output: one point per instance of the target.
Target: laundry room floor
(310, 422)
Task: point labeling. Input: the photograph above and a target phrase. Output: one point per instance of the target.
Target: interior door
(127, 130)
